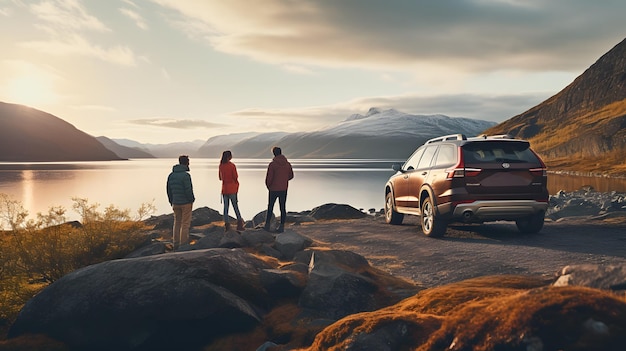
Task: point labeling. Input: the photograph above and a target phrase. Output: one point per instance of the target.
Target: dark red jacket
(279, 173)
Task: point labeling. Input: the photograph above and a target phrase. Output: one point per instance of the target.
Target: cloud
(67, 22)
(175, 123)
(495, 108)
(67, 14)
(470, 35)
(133, 15)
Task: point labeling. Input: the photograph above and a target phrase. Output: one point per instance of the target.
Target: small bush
(37, 252)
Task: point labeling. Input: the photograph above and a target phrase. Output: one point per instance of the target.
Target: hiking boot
(281, 228)
(240, 225)
(266, 227)
(226, 226)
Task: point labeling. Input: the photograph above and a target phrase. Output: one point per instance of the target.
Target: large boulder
(342, 283)
(336, 211)
(189, 299)
(171, 301)
(290, 242)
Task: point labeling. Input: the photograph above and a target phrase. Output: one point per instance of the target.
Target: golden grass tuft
(493, 313)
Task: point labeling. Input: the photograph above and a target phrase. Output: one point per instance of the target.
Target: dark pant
(282, 203)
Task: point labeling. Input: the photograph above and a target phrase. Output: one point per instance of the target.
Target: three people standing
(279, 173)
(181, 198)
(230, 186)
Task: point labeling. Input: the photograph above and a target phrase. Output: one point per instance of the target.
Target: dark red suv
(474, 180)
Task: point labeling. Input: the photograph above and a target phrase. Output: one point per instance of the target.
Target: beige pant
(182, 222)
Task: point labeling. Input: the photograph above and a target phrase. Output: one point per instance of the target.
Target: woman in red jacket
(230, 187)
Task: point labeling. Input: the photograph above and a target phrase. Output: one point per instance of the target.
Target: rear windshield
(498, 151)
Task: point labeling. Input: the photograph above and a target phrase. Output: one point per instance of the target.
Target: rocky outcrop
(586, 203)
(280, 291)
(336, 211)
(186, 299)
(487, 313)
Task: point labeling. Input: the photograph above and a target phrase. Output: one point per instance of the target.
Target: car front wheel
(432, 225)
(391, 216)
(532, 224)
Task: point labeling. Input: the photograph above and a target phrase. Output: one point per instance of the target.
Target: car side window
(412, 162)
(445, 156)
(427, 158)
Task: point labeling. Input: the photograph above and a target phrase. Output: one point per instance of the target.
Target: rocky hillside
(583, 127)
(30, 135)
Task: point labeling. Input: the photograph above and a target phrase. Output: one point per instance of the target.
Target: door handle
(424, 173)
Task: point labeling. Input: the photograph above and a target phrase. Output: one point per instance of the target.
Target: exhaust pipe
(467, 215)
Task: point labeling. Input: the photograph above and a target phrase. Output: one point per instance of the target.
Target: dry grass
(558, 137)
(493, 313)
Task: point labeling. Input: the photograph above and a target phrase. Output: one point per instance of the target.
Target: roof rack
(498, 136)
(447, 137)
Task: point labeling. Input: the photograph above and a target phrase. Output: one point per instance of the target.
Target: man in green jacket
(180, 196)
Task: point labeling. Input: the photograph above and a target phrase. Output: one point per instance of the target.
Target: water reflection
(557, 182)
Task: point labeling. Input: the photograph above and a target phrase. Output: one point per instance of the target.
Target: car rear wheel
(432, 225)
(532, 224)
(391, 216)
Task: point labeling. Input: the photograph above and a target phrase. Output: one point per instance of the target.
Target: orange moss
(493, 313)
(555, 317)
(32, 342)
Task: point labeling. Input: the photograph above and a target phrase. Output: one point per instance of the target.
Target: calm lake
(128, 184)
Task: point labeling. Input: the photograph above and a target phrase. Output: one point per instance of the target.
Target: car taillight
(538, 172)
(459, 171)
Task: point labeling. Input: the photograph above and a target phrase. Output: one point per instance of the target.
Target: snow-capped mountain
(393, 122)
(378, 134)
(387, 134)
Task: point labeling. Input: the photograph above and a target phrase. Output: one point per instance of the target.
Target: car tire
(391, 216)
(432, 225)
(531, 224)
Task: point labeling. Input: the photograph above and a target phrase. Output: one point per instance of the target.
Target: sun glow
(30, 90)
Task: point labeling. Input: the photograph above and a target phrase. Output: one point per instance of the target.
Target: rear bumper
(498, 210)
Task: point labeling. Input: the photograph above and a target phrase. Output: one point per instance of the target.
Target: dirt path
(472, 250)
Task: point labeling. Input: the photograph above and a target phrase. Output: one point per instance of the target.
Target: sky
(163, 71)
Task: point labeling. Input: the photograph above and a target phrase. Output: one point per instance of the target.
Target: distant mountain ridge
(189, 148)
(378, 134)
(31, 135)
(124, 151)
(583, 127)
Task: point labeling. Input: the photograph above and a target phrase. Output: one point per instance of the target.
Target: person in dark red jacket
(230, 187)
(279, 173)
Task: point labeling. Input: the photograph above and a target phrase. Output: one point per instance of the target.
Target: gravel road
(468, 251)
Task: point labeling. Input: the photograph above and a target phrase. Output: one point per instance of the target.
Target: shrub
(36, 252)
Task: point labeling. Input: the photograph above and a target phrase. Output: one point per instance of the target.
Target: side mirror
(396, 167)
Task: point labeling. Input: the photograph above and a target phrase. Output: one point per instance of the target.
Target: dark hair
(226, 156)
(276, 151)
(183, 160)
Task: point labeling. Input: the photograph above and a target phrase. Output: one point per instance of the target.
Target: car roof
(461, 139)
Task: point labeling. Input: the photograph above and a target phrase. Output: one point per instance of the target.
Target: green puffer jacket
(179, 187)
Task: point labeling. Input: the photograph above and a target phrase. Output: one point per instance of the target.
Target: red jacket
(228, 175)
(279, 173)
